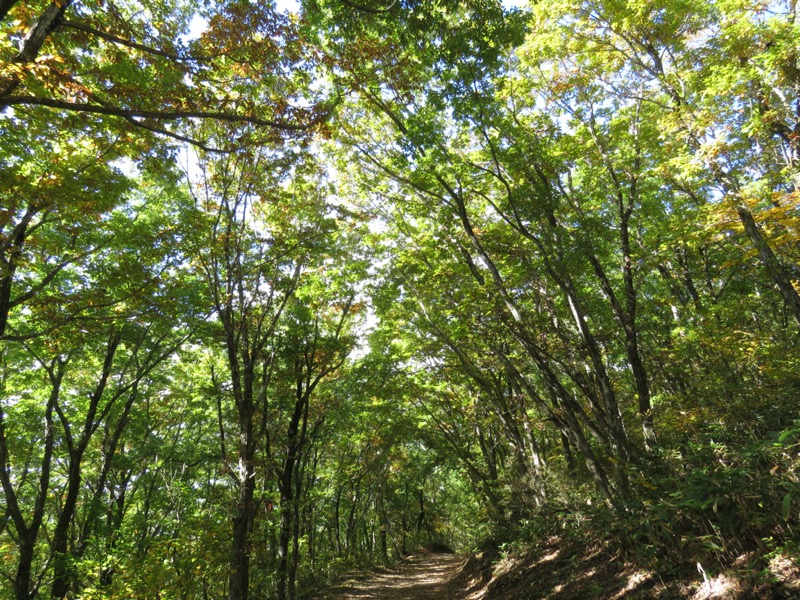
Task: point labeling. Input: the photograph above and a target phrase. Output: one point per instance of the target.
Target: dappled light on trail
(418, 577)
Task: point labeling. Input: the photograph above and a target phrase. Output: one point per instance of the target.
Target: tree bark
(776, 271)
(5, 7)
(242, 369)
(239, 581)
(295, 439)
(33, 41)
(29, 534)
(22, 581)
(10, 254)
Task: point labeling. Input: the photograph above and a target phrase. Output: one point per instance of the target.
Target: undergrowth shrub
(709, 499)
(713, 500)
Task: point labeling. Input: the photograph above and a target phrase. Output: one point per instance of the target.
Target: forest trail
(419, 577)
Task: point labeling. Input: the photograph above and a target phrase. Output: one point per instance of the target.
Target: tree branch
(368, 10)
(131, 44)
(159, 115)
(5, 6)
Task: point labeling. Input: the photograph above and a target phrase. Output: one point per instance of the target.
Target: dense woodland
(287, 292)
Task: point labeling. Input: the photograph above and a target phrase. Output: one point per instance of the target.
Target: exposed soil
(558, 571)
(418, 577)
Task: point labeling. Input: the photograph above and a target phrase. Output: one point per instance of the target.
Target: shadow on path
(419, 577)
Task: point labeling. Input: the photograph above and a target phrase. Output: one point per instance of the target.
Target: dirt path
(419, 577)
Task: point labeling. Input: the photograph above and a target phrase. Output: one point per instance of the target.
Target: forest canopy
(286, 291)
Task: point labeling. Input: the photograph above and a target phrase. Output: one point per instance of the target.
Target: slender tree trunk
(626, 199)
(640, 377)
(239, 580)
(384, 545)
(284, 538)
(27, 535)
(110, 444)
(62, 572)
(404, 525)
(242, 365)
(116, 514)
(287, 488)
(351, 532)
(295, 563)
(62, 575)
(571, 467)
(10, 254)
(565, 419)
(337, 520)
(776, 271)
(617, 438)
(22, 581)
(421, 514)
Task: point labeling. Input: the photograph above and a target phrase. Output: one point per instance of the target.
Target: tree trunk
(28, 534)
(284, 538)
(239, 580)
(421, 515)
(337, 520)
(286, 483)
(295, 563)
(776, 271)
(640, 377)
(62, 573)
(22, 582)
